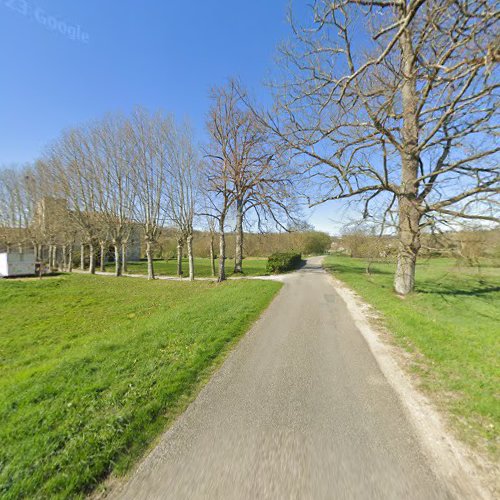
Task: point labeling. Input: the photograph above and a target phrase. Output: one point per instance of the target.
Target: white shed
(17, 264)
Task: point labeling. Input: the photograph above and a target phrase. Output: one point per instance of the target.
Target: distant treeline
(468, 245)
(254, 245)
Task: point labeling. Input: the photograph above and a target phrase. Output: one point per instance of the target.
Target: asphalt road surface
(299, 410)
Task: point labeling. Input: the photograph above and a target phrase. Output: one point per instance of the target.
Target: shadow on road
(312, 265)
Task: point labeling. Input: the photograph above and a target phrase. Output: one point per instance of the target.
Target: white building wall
(4, 266)
(17, 264)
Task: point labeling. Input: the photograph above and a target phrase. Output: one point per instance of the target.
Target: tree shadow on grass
(357, 270)
(32, 277)
(457, 291)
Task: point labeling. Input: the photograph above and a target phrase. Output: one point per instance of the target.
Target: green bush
(281, 262)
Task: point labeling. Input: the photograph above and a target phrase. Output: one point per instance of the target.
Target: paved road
(299, 410)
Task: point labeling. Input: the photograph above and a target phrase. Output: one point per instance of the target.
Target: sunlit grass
(93, 368)
(251, 267)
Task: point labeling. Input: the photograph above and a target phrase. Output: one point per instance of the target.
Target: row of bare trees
(246, 171)
(98, 183)
(24, 206)
(113, 175)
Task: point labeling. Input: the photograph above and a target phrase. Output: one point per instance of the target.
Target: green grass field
(453, 322)
(93, 368)
(251, 267)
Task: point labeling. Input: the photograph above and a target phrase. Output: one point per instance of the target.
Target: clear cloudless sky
(64, 62)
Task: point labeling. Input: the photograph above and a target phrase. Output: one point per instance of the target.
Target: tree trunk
(118, 264)
(91, 258)
(409, 213)
(222, 253)
(212, 257)
(64, 257)
(70, 258)
(49, 257)
(124, 257)
(238, 254)
(52, 258)
(82, 257)
(57, 262)
(409, 245)
(179, 257)
(103, 258)
(189, 242)
(149, 255)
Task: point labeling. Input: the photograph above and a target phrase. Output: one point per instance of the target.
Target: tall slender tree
(14, 209)
(217, 169)
(149, 134)
(242, 146)
(182, 184)
(72, 171)
(116, 188)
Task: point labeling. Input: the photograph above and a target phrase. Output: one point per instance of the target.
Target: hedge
(281, 262)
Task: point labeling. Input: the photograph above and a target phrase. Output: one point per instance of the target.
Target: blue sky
(64, 63)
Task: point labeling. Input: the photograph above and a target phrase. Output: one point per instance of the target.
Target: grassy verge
(92, 369)
(452, 323)
(251, 267)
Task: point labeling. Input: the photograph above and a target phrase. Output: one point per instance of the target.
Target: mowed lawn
(453, 322)
(93, 368)
(251, 267)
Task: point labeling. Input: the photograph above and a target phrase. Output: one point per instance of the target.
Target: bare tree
(217, 170)
(258, 181)
(116, 189)
(246, 155)
(51, 223)
(180, 253)
(71, 168)
(182, 185)
(31, 215)
(396, 100)
(28, 180)
(211, 252)
(218, 201)
(14, 209)
(149, 134)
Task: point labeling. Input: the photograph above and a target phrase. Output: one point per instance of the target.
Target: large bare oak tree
(394, 102)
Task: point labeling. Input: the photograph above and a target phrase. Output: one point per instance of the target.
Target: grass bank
(251, 267)
(452, 323)
(92, 369)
